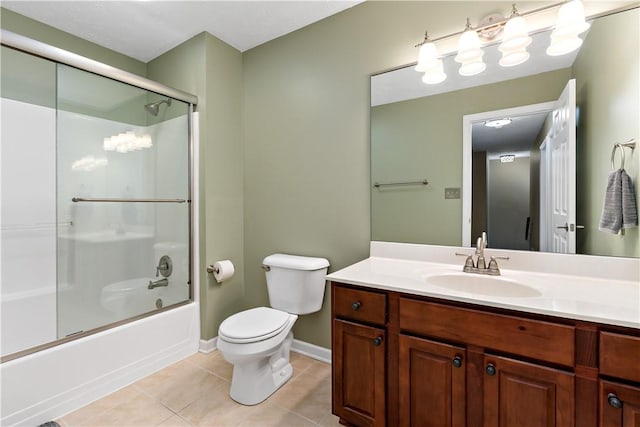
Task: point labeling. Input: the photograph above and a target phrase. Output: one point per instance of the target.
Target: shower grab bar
(115, 200)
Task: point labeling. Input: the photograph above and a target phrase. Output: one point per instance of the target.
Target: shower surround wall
(29, 294)
(123, 246)
(91, 254)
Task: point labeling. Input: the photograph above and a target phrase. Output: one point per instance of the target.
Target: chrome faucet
(480, 265)
(158, 283)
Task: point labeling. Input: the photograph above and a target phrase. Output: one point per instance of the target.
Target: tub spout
(158, 283)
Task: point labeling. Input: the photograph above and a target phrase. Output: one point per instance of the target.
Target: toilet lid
(252, 325)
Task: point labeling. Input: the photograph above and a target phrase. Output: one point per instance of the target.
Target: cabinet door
(619, 405)
(431, 384)
(527, 395)
(359, 373)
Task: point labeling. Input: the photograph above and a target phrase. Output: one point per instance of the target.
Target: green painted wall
(212, 70)
(306, 124)
(607, 77)
(422, 138)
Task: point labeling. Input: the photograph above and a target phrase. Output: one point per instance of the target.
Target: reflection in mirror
(420, 137)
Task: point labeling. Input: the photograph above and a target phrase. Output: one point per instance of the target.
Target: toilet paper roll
(223, 270)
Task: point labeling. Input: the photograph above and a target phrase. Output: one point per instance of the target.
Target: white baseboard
(207, 346)
(310, 350)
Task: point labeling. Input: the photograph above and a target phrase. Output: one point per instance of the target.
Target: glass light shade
(514, 57)
(570, 20)
(435, 74)
(563, 45)
(516, 35)
(469, 47)
(472, 68)
(427, 57)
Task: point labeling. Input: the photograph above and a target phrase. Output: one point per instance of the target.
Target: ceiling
(146, 29)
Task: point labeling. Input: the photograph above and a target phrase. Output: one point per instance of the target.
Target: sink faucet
(158, 283)
(480, 265)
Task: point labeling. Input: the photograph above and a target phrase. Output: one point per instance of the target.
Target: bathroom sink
(483, 285)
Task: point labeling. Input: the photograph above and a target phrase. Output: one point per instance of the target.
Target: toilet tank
(295, 283)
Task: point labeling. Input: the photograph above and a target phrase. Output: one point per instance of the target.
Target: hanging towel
(611, 218)
(629, 207)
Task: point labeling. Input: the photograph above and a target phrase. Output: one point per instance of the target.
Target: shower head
(154, 107)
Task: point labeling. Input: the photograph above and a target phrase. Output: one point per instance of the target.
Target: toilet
(257, 341)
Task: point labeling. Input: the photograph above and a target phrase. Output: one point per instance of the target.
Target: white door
(562, 169)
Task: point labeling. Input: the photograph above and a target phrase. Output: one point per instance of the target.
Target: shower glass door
(123, 208)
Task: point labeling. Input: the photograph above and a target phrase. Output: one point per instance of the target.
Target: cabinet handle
(457, 362)
(356, 306)
(491, 369)
(614, 401)
(377, 341)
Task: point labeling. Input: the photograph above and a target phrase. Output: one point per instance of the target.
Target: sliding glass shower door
(122, 172)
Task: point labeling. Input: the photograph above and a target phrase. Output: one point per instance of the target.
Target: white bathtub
(48, 384)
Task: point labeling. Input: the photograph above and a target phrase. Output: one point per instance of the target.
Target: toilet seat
(256, 324)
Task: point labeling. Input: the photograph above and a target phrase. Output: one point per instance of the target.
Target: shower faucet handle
(165, 266)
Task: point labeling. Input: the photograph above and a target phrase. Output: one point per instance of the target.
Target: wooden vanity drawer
(531, 338)
(360, 305)
(620, 356)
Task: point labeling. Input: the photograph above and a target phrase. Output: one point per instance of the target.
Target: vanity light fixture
(515, 41)
(497, 123)
(507, 158)
(470, 53)
(570, 22)
(569, 25)
(429, 62)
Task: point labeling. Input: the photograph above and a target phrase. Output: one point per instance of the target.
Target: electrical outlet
(452, 193)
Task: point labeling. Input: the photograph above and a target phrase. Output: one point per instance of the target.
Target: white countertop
(595, 299)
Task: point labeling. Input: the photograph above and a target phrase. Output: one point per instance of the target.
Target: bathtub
(50, 383)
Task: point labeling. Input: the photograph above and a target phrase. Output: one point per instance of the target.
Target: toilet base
(253, 382)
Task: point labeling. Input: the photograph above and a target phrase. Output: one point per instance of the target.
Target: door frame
(467, 128)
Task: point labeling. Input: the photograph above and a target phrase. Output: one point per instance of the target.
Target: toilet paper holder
(211, 269)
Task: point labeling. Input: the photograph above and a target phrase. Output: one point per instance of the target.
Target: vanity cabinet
(359, 357)
(619, 361)
(408, 360)
(526, 394)
(432, 383)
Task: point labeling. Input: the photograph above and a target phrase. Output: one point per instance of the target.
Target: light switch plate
(452, 193)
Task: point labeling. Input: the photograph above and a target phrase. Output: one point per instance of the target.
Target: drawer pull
(491, 369)
(377, 341)
(457, 362)
(614, 401)
(356, 306)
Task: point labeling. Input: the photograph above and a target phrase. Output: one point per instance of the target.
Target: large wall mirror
(440, 176)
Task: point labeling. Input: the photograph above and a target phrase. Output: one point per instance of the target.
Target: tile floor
(195, 392)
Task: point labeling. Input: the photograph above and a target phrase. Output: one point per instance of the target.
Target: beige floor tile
(218, 410)
(140, 410)
(269, 415)
(308, 394)
(299, 362)
(92, 410)
(180, 384)
(330, 420)
(197, 388)
(213, 362)
(175, 421)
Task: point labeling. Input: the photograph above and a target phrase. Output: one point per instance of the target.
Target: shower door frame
(61, 56)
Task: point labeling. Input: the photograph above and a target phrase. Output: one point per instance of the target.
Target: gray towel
(629, 207)
(611, 218)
